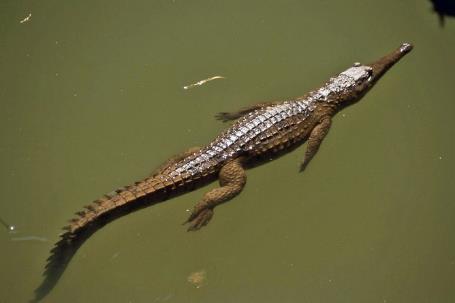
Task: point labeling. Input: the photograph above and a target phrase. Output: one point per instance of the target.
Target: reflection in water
(444, 8)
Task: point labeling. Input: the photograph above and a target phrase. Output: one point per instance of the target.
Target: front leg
(232, 179)
(314, 141)
(229, 116)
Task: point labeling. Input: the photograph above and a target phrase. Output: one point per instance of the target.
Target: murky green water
(91, 99)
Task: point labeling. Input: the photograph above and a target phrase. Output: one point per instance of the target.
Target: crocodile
(260, 132)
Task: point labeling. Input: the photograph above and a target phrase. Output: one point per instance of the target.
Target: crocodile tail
(102, 211)
(150, 188)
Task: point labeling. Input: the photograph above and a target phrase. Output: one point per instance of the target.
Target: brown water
(91, 99)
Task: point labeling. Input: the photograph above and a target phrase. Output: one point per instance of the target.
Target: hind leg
(232, 179)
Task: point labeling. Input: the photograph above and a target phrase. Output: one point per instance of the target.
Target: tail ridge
(120, 198)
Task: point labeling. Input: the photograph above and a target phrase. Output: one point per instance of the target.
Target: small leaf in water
(197, 278)
(199, 83)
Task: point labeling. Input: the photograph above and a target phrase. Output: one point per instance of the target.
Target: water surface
(92, 99)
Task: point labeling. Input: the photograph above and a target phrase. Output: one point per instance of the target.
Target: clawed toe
(200, 219)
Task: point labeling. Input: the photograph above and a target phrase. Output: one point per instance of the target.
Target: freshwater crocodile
(260, 132)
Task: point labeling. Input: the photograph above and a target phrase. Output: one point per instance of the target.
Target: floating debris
(26, 19)
(197, 278)
(30, 238)
(199, 83)
(115, 255)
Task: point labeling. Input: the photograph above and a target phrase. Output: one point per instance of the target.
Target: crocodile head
(365, 76)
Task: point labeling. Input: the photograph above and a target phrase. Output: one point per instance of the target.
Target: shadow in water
(444, 8)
